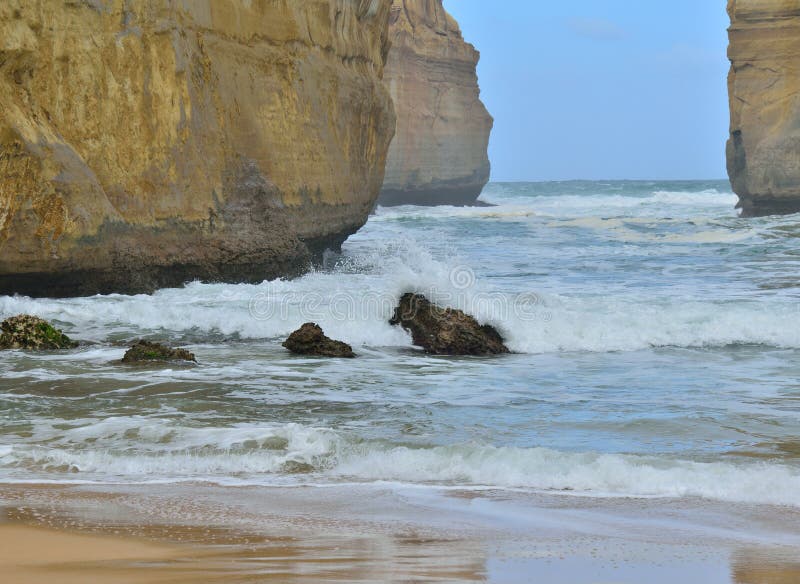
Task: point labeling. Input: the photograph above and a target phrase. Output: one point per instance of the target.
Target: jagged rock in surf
(446, 331)
(310, 339)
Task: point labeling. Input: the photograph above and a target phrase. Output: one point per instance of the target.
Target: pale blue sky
(594, 89)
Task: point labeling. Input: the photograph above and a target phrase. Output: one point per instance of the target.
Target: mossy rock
(149, 352)
(33, 334)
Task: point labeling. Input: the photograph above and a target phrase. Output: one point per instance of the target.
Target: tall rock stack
(764, 87)
(439, 154)
(145, 143)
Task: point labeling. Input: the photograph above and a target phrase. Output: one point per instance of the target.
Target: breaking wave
(138, 450)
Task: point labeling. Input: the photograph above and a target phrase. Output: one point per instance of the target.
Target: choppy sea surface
(656, 341)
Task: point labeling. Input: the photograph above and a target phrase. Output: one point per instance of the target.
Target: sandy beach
(30, 555)
(202, 533)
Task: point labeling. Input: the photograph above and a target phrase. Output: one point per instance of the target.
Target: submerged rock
(148, 352)
(446, 331)
(309, 339)
(32, 333)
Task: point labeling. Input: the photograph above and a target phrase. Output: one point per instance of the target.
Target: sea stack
(439, 153)
(149, 143)
(764, 86)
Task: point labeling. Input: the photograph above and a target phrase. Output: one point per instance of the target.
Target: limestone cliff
(764, 86)
(144, 143)
(439, 154)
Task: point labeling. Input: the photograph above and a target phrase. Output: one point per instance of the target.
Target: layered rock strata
(764, 85)
(149, 143)
(439, 154)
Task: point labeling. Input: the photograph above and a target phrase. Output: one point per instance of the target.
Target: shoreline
(173, 533)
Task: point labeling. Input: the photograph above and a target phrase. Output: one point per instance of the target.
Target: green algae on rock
(32, 333)
(149, 352)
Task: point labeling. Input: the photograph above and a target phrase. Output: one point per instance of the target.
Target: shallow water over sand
(387, 533)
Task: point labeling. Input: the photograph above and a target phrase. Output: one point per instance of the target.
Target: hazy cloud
(598, 29)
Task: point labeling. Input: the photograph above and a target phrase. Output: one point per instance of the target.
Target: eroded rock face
(439, 154)
(764, 86)
(149, 352)
(33, 334)
(148, 143)
(446, 331)
(309, 339)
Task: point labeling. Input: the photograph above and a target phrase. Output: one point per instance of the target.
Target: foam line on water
(355, 304)
(136, 449)
(354, 301)
(658, 203)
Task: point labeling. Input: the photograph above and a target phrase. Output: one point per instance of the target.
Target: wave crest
(137, 450)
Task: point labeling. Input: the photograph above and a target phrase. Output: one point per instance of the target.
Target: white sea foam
(620, 229)
(355, 301)
(499, 212)
(654, 204)
(140, 450)
(511, 207)
(355, 306)
(580, 473)
(627, 324)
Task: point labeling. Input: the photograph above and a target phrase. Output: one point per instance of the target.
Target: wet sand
(30, 555)
(203, 533)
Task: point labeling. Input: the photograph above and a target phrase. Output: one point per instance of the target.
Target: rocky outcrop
(764, 87)
(33, 334)
(309, 339)
(439, 153)
(149, 143)
(445, 331)
(149, 352)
